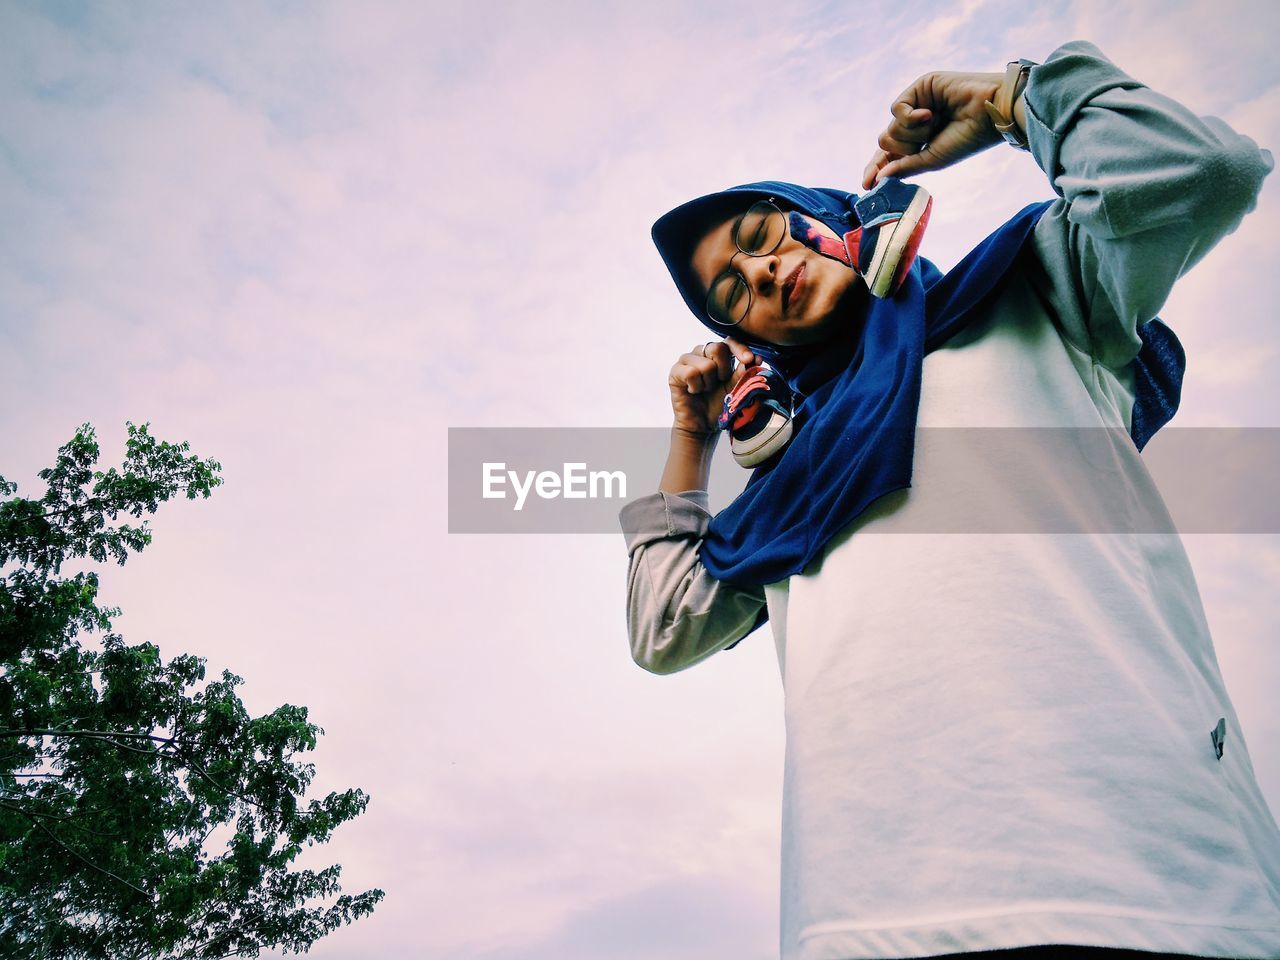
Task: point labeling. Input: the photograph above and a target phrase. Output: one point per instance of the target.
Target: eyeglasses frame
(772, 202)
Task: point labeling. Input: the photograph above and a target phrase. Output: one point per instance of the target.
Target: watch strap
(1001, 111)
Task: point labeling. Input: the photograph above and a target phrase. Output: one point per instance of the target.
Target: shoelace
(740, 405)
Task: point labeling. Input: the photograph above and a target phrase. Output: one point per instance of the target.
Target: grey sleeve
(1147, 188)
(677, 613)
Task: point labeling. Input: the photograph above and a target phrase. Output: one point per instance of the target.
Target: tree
(143, 812)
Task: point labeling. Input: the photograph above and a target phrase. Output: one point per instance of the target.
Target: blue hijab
(858, 393)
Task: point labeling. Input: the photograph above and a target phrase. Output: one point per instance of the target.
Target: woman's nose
(760, 272)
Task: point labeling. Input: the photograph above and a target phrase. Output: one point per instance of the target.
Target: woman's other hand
(699, 381)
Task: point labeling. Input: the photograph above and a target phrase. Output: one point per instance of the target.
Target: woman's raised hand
(937, 120)
(699, 381)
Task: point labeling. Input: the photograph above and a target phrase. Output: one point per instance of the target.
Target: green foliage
(117, 768)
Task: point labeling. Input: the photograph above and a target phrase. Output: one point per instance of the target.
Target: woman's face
(795, 291)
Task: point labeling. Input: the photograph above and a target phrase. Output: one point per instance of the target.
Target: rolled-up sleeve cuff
(1058, 89)
(662, 515)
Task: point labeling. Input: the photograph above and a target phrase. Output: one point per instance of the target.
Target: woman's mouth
(792, 286)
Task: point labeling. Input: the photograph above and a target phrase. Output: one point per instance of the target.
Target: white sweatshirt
(998, 740)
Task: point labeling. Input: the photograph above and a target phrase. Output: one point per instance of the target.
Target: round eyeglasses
(757, 233)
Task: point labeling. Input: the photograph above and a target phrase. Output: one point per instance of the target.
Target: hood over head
(677, 232)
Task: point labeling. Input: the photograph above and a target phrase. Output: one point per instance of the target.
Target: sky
(309, 238)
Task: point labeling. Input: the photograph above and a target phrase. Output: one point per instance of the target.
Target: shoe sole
(768, 442)
(883, 270)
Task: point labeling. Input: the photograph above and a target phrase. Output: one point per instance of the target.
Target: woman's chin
(816, 331)
(848, 307)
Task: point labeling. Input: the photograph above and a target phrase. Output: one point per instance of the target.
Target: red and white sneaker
(757, 413)
(892, 219)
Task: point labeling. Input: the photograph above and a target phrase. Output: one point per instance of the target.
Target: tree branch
(56, 816)
(204, 773)
(74, 852)
(104, 735)
(85, 733)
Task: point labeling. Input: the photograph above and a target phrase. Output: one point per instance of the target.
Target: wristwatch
(1001, 112)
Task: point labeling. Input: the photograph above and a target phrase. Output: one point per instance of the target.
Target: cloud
(689, 917)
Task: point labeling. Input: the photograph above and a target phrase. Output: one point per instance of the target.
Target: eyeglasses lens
(761, 229)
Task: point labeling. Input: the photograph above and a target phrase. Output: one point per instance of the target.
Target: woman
(997, 741)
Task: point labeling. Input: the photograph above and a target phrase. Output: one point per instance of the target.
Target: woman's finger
(683, 373)
(700, 374)
(904, 139)
(918, 96)
(908, 114)
(720, 352)
(740, 350)
(908, 131)
(910, 165)
(701, 357)
(898, 146)
(908, 121)
(877, 162)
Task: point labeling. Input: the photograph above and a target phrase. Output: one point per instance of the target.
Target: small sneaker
(892, 219)
(757, 413)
